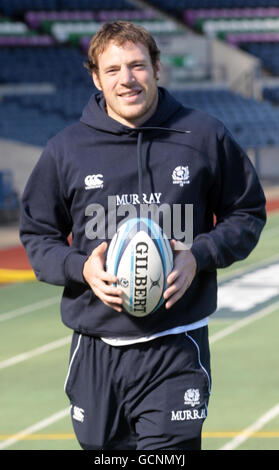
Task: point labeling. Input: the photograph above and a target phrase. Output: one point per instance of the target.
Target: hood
(94, 114)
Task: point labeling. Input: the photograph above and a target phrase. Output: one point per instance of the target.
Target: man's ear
(96, 81)
(157, 69)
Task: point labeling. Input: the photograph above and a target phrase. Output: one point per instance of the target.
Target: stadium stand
(252, 26)
(179, 5)
(45, 42)
(255, 30)
(271, 94)
(254, 124)
(9, 199)
(42, 43)
(12, 8)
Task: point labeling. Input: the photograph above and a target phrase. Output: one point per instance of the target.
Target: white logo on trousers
(78, 414)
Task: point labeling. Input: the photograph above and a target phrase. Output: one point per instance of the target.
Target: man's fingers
(108, 289)
(111, 301)
(174, 298)
(107, 277)
(97, 263)
(97, 274)
(172, 276)
(182, 275)
(101, 282)
(174, 286)
(100, 249)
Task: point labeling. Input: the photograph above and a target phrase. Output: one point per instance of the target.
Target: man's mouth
(130, 95)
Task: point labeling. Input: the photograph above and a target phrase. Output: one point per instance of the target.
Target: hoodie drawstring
(139, 151)
(139, 160)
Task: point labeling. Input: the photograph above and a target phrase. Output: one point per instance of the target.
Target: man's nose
(126, 75)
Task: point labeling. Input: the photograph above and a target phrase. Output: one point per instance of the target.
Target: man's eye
(111, 71)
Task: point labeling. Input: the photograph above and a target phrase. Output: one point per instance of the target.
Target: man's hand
(182, 275)
(100, 281)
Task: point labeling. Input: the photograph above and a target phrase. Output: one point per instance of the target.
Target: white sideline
(29, 308)
(36, 352)
(243, 270)
(243, 322)
(248, 432)
(56, 417)
(36, 427)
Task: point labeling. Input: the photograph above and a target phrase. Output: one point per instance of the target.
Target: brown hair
(120, 32)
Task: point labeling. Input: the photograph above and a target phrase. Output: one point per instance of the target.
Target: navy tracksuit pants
(146, 396)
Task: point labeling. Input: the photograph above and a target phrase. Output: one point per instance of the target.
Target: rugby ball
(141, 258)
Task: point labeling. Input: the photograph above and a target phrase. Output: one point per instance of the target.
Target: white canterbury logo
(78, 414)
(93, 181)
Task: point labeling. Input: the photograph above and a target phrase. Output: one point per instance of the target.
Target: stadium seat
(192, 16)
(20, 7)
(254, 124)
(267, 52)
(271, 94)
(35, 18)
(56, 65)
(96, 5)
(179, 5)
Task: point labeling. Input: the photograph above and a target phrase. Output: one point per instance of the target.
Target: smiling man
(138, 383)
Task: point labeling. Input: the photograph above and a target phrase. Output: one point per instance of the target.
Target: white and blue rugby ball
(141, 257)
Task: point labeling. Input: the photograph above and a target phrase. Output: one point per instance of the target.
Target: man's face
(128, 81)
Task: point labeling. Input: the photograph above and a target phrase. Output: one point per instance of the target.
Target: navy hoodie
(99, 157)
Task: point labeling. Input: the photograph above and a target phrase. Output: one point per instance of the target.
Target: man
(138, 383)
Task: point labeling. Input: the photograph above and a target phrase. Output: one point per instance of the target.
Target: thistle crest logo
(192, 397)
(180, 175)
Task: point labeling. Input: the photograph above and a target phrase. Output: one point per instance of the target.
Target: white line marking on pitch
(29, 308)
(35, 352)
(36, 427)
(248, 432)
(243, 322)
(225, 277)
